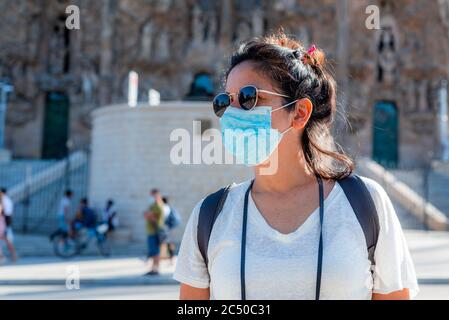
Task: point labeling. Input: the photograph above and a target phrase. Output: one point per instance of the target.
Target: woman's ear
(302, 113)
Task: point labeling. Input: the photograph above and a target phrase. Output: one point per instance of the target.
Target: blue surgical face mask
(248, 135)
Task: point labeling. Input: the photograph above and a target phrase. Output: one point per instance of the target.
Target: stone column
(5, 88)
(343, 23)
(108, 12)
(443, 122)
(226, 23)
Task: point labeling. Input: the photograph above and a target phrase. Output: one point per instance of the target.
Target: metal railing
(37, 196)
(415, 189)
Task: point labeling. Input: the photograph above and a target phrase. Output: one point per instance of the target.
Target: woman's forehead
(245, 74)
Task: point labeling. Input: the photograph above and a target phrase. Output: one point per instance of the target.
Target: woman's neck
(291, 173)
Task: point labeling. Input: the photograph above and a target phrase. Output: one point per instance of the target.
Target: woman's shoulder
(236, 192)
(381, 199)
(375, 188)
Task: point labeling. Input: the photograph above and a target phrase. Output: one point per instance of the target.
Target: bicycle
(66, 246)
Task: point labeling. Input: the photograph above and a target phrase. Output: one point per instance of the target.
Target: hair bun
(314, 57)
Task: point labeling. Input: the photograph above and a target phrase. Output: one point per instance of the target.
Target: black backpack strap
(209, 211)
(365, 210)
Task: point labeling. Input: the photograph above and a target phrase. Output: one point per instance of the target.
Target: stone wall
(131, 155)
(169, 42)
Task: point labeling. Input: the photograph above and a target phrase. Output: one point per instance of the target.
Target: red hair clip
(312, 50)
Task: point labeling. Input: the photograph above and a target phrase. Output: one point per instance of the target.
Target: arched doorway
(202, 87)
(385, 134)
(56, 126)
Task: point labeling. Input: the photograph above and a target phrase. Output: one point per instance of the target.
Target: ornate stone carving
(387, 46)
(243, 32)
(197, 26)
(257, 21)
(162, 46)
(168, 41)
(89, 84)
(147, 40)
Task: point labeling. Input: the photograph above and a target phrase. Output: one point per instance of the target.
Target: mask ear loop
(282, 133)
(288, 104)
(291, 127)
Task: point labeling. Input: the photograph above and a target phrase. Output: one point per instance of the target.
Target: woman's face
(244, 74)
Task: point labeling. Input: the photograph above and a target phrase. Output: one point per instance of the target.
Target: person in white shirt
(8, 209)
(64, 213)
(2, 229)
(280, 92)
(171, 223)
(110, 215)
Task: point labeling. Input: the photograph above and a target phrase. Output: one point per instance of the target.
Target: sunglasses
(247, 97)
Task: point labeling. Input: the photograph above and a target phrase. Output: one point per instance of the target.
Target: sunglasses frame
(230, 95)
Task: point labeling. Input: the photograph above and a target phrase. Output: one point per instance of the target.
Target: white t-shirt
(8, 206)
(283, 266)
(63, 206)
(167, 211)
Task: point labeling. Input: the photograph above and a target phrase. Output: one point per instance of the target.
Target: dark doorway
(202, 87)
(56, 126)
(385, 134)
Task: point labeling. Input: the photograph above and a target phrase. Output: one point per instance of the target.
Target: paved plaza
(122, 277)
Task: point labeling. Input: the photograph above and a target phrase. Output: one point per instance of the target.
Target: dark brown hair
(300, 73)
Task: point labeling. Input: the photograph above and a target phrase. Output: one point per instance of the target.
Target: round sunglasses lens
(220, 103)
(248, 97)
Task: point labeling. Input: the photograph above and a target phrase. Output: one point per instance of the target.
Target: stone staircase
(439, 187)
(15, 172)
(32, 245)
(406, 187)
(36, 187)
(438, 184)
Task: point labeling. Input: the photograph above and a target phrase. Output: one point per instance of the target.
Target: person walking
(85, 219)
(172, 221)
(305, 226)
(154, 218)
(110, 215)
(64, 215)
(2, 228)
(88, 216)
(8, 209)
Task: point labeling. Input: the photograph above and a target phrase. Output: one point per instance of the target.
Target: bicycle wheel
(65, 247)
(103, 246)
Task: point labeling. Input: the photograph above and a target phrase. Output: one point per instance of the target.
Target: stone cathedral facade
(388, 78)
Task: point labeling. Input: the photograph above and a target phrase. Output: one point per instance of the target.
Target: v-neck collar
(255, 216)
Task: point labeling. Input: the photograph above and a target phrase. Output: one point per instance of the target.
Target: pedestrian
(2, 228)
(154, 218)
(110, 215)
(293, 231)
(64, 215)
(8, 209)
(85, 218)
(172, 221)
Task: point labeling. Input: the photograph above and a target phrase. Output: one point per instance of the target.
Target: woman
(2, 229)
(296, 102)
